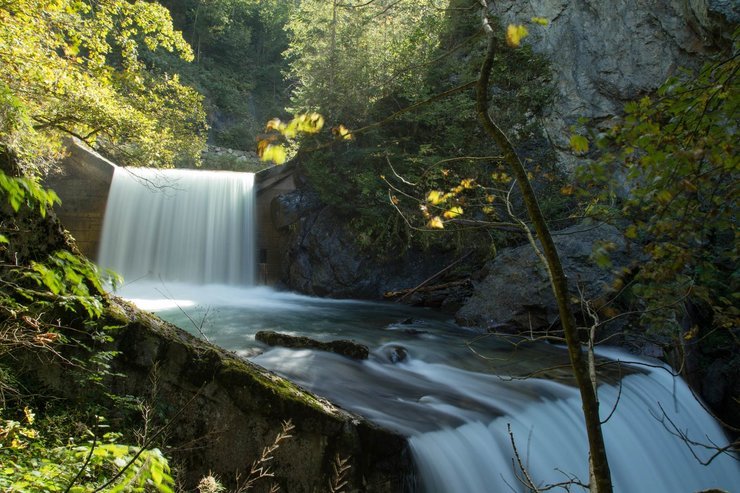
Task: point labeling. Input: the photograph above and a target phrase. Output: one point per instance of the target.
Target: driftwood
(425, 289)
(407, 292)
(343, 347)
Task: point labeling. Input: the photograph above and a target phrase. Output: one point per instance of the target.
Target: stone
(515, 296)
(395, 353)
(342, 347)
(323, 259)
(604, 54)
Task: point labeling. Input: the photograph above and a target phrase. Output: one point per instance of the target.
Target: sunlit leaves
(436, 197)
(19, 191)
(436, 223)
(71, 69)
(453, 212)
(578, 144)
(270, 149)
(514, 34)
(342, 132)
(275, 153)
(540, 20)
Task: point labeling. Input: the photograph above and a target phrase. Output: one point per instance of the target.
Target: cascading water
(180, 225)
(421, 379)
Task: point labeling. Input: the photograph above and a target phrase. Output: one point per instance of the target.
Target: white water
(453, 405)
(180, 225)
(643, 453)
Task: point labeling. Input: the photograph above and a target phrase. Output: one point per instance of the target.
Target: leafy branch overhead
(73, 70)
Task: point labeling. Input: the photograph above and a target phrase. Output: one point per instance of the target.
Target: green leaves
(73, 70)
(675, 168)
(20, 191)
(578, 144)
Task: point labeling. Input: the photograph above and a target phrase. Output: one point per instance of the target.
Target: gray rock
(342, 347)
(323, 258)
(606, 53)
(515, 293)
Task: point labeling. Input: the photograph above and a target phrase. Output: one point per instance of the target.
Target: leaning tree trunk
(600, 476)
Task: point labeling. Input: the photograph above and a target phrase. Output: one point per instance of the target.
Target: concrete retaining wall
(82, 182)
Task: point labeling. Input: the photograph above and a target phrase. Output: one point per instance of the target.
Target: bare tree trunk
(600, 480)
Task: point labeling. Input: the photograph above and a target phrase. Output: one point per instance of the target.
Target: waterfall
(645, 453)
(180, 225)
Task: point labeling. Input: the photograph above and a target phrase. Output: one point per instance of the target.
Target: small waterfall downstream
(180, 225)
(179, 230)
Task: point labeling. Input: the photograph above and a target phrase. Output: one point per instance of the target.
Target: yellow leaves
(310, 123)
(307, 123)
(664, 197)
(342, 132)
(468, 183)
(271, 152)
(436, 223)
(274, 153)
(435, 197)
(30, 416)
(691, 333)
(500, 177)
(490, 198)
(578, 144)
(453, 212)
(631, 232)
(515, 34)
(540, 20)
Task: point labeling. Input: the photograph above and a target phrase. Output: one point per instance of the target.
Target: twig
(412, 291)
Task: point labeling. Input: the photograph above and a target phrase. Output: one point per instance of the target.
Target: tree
(74, 68)
(238, 62)
(359, 50)
(600, 475)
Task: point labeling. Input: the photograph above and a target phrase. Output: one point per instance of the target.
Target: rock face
(323, 259)
(514, 294)
(605, 53)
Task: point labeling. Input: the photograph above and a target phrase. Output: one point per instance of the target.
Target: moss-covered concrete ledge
(233, 408)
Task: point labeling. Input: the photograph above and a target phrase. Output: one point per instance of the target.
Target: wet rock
(342, 347)
(396, 354)
(324, 259)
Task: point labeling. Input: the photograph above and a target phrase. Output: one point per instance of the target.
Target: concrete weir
(83, 182)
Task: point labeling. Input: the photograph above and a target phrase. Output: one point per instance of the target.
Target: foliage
(238, 62)
(270, 149)
(22, 190)
(346, 56)
(30, 464)
(73, 68)
(436, 146)
(671, 169)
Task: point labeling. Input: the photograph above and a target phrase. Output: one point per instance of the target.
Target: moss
(234, 371)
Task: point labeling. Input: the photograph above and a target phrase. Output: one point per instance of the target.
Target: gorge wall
(604, 54)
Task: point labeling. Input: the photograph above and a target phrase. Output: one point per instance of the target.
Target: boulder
(514, 293)
(342, 347)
